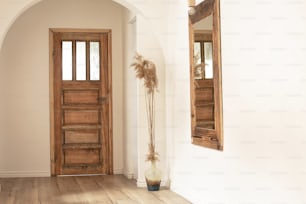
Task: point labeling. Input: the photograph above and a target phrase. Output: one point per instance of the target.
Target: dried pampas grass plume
(146, 70)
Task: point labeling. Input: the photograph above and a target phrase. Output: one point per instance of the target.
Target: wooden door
(82, 103)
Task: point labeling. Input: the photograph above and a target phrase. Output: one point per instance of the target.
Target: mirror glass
(203, 57)
(203, 72)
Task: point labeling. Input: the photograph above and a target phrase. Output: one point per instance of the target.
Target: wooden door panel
(204, 94)
(84, 169)
(74, 97)
(81, 136)
(205, 112)
(81, 156)
(73, 117)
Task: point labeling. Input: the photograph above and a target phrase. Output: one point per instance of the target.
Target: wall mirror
(205, 73)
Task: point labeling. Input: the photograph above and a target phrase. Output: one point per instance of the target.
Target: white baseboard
(12, 174)
(17, 174)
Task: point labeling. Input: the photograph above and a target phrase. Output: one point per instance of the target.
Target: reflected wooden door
(82, 103)
(204, 80)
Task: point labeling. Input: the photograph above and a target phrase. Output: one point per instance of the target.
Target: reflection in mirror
(205, 69)
(208, 60)
(203, 72)
(203, 49)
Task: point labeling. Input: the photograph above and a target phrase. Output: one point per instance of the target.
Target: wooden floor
(76, 190)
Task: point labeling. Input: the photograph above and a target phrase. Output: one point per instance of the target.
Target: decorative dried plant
(146, 70)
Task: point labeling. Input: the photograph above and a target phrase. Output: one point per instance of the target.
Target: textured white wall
(263, 55)
(25, 64)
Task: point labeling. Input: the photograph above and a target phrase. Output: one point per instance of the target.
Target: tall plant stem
(150, 110)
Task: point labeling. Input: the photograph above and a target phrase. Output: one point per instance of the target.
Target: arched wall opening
(24, 76)
(17, 9)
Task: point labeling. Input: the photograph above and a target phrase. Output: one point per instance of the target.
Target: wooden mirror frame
(211, 138)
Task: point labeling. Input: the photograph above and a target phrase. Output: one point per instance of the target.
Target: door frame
(109, 142)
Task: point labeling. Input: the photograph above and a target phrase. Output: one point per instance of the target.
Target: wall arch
(13, 16)
(150, 48)
(26, 103)
(16, 10)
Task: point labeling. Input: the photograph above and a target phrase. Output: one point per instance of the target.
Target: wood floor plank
(140, 195)
(48, 191)
(7, 189)
(169, 197)
(114, 189)
(26, 191)
(69, 190)
(91, 191)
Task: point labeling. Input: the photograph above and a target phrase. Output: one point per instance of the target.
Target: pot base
(153, 185)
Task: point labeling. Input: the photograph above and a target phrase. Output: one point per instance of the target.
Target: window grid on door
(203, 55)
(81, 60)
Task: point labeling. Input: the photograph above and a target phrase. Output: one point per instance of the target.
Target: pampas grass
(146, 71)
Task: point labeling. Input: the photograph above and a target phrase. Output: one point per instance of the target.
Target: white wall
(26, 76)
(263, 55)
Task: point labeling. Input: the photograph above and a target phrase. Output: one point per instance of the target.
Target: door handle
(102, 100)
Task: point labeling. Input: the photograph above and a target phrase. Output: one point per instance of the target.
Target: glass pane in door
(66, 60)
(94, 60)
(80, 60)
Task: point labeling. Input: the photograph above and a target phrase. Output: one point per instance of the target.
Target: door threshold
(81, 175)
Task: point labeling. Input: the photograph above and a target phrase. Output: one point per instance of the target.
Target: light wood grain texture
(86, 190)
(218, 72)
